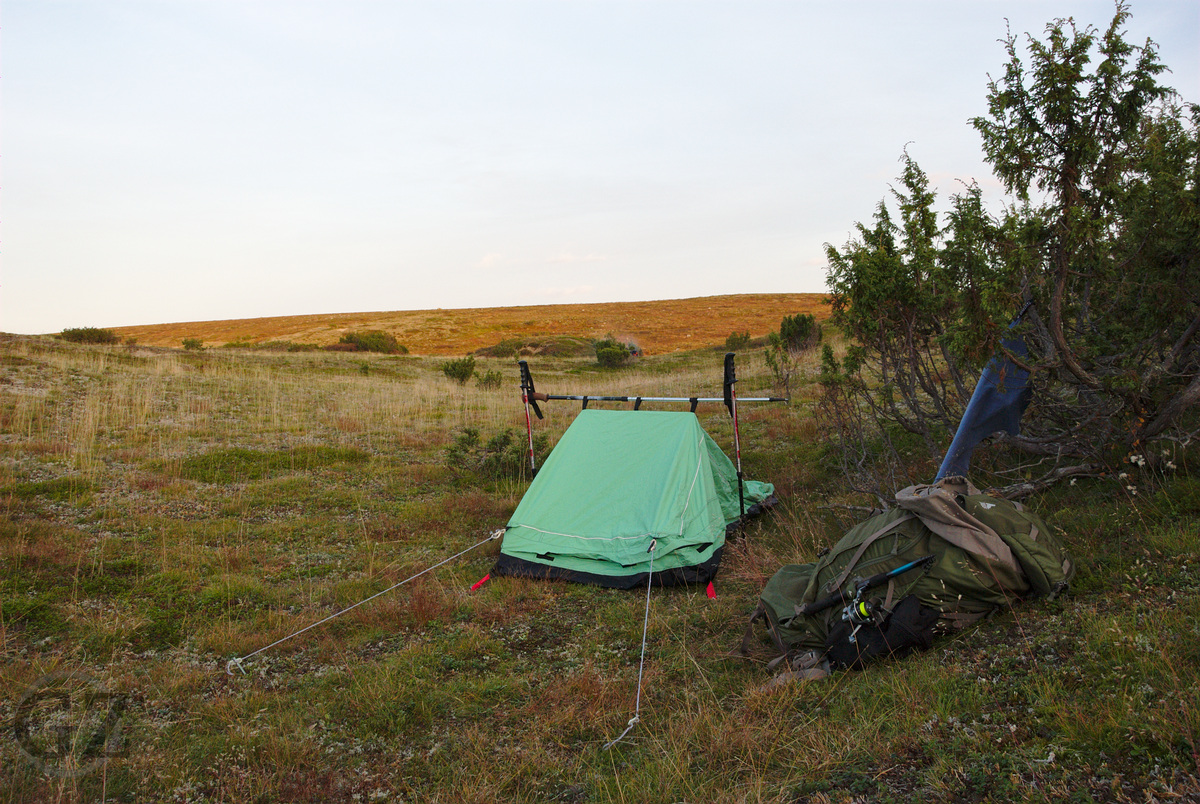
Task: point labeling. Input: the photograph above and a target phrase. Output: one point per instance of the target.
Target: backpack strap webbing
(862, 548)
(760, 613)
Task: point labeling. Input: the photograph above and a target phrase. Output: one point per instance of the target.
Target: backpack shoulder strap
(837, 582)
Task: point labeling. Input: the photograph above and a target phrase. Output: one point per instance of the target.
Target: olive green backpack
(946, 556)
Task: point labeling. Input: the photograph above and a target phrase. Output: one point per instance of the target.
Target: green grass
(165, 514)
(236, 465)
(61, 489)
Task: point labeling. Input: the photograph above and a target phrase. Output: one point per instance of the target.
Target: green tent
(617, 481)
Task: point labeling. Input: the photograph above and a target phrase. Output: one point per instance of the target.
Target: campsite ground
(165, 511)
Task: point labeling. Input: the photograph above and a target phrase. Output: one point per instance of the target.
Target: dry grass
(657, 326)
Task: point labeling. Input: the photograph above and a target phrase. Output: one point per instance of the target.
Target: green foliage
(61, 489)
(238, 465)
(782, 365)
(233, 594)
(612, 356)
(799, 332)
(460, 370)
(503, 456)
(1101, 240)
(611, 353)
(92, 335)
(374, 340)
(737, 341)
(37, 617)
(489, 380)
(193, 344)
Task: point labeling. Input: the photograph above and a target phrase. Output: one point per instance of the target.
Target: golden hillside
(656, 326)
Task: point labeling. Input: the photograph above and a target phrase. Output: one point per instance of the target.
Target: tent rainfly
(617, 482)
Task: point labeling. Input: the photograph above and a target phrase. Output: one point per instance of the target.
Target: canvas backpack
(970, 554)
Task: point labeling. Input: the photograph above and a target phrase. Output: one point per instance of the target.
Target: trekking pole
(638, 400)
(527, 397)
(854, 602)
(731, 403)
(533, 397)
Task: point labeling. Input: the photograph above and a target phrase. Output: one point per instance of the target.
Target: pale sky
(184, 160)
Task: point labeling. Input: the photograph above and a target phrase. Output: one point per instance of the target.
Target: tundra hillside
(656, 326)
(165, 511)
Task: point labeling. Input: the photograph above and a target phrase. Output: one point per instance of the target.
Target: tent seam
(695, 477)
(574, 536)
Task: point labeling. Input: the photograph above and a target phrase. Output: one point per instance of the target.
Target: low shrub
(374, 340)
(799, 332)
(459, 370)
(737, 341)
(193, 344)
(503, 456)
(489, 381)
(89, 335)
(611, 353)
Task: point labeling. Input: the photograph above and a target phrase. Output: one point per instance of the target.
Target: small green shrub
(459, 370)
(193, 344)
(737, 341)
(374, 340)
(611, 353)
(89, 335)
(489, 381)
(503, 456)
(799, 332)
